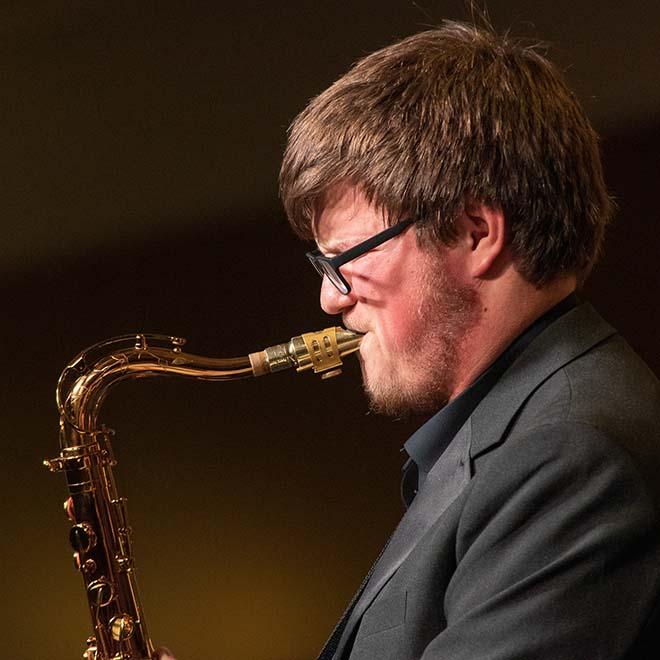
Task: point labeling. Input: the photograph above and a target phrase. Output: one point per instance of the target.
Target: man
(533, 533)
(532, 527)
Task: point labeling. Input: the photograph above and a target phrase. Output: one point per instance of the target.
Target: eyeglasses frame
(316, 257)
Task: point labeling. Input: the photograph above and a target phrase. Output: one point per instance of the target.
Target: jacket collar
(568, 338)
(428, 443)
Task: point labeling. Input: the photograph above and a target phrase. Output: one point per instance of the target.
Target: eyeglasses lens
(326, 269)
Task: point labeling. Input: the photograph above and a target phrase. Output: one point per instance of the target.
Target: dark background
(141, 145)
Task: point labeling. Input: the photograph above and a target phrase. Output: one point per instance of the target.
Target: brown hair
(449, 114)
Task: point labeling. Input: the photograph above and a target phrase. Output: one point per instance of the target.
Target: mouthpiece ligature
(321, 351)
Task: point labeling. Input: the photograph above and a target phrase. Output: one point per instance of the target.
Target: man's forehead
(343, 213)
(343, 200)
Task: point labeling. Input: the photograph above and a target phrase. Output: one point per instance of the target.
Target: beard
(419, 376)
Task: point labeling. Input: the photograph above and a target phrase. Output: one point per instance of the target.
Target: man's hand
(163, 653)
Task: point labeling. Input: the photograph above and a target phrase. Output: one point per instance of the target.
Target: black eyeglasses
(329, 266)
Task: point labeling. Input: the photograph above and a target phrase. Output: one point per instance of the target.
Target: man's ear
(482, 234)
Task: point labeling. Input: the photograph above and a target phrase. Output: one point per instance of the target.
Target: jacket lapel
(443, 484)
(570, 336)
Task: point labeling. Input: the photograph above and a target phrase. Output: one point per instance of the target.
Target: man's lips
(349, 326)
(363, 343)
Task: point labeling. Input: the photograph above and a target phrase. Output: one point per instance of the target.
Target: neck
(507, 310)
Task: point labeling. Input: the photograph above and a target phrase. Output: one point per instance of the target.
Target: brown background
(141, 144)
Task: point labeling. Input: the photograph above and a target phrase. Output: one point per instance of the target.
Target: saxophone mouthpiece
(321, 351)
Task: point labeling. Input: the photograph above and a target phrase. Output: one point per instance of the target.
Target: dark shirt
(428, 443)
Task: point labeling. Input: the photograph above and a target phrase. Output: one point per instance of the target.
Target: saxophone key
(69, 510)
(101, 592)
(91, 652)
(86, 567)
(121, 627)
(82, 537)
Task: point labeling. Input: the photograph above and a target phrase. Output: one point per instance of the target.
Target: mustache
(353, 327)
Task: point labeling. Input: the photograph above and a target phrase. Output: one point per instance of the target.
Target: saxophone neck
(86, 381)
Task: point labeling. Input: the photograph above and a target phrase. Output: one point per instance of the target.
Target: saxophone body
(100, 533)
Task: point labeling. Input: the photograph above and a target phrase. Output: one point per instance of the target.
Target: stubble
(421, 376)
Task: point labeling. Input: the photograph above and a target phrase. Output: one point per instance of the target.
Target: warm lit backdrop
(140, 148)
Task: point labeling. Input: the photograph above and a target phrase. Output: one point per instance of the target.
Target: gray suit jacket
(535, 535)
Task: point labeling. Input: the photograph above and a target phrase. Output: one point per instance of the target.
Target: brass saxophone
(100, 533)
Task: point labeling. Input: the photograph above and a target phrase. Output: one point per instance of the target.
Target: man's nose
(333, 301)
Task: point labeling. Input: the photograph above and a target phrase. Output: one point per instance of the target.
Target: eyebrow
(342, 245)
(337, 247)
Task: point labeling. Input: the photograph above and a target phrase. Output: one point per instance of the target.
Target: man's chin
(391, 395)
(393, 387)
(389, 406)
(385, 397)
(381, 384)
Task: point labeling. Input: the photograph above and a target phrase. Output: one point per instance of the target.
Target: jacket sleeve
(556, 553)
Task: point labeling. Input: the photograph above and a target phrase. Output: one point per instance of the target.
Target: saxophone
(100, 534)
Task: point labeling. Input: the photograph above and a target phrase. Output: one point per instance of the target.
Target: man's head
(453, 127)
(449, 114)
